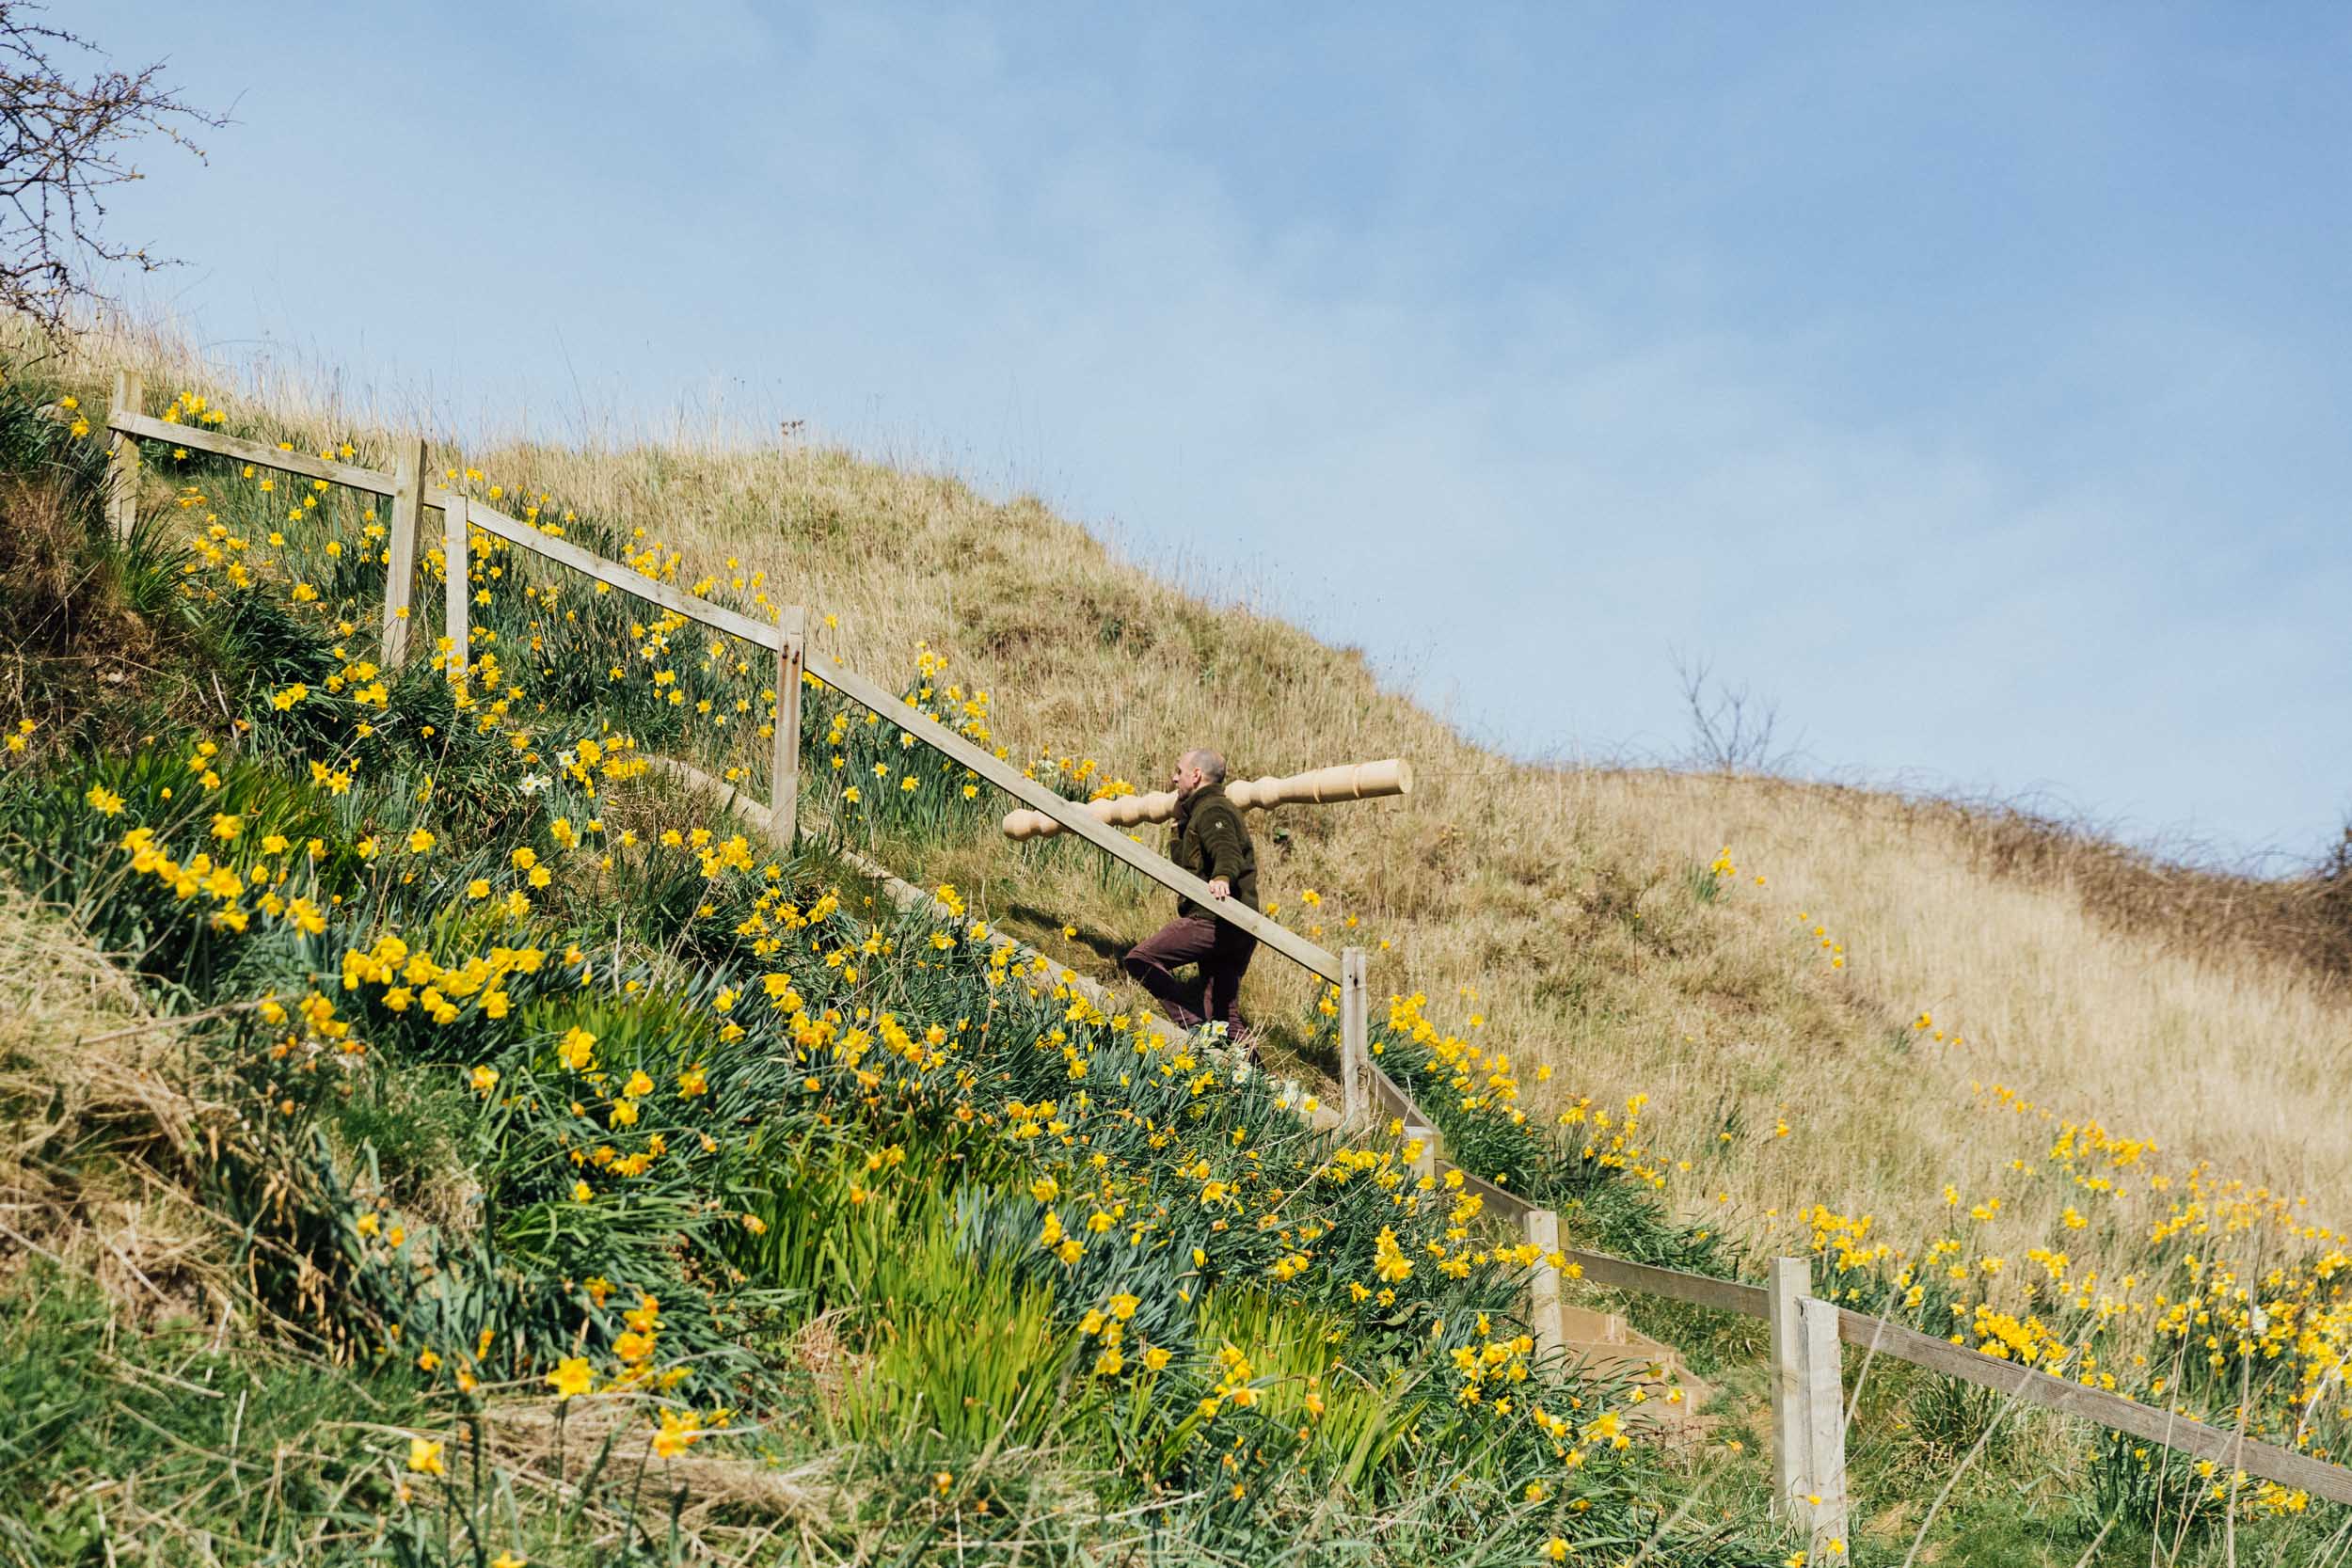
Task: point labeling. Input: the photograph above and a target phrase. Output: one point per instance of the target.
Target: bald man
(1212, 844)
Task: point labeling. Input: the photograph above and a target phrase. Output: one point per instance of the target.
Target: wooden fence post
(1825, 1425)
(784, 798)
(122, 473)
(400, 572)
(457, 588)
(1355, 1046)
(1543, 1285)
(1791, 1277)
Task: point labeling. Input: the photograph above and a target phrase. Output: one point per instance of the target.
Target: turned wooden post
(784, 798)
(458, 587)
(399, 570)
(1348, 781)
(122, 470)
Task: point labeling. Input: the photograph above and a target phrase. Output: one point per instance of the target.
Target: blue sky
(1975, 381)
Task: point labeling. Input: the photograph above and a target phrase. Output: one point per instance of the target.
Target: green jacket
(1212, 843)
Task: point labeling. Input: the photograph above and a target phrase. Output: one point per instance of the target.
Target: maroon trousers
(1221, 950)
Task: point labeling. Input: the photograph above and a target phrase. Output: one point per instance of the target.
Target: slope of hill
(1812, 1020)
(1573, 904)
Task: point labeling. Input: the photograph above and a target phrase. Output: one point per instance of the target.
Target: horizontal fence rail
(130, 422)
(868, 693)
(516, 531)
(1808, 1417)
(1878, 1336)
(2224, 1446)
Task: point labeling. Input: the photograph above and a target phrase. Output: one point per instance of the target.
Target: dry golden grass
(94, 1119)
(2232, 1058)
(1568, 902)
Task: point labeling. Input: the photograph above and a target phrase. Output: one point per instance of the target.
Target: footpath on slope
(1602, 1344)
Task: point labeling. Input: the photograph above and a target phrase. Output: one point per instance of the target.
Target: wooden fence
(1810, 1409)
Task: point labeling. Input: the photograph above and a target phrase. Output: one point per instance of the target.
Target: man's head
(1196, 770)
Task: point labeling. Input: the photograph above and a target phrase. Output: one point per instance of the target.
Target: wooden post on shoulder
(1825, 1425)
(784, 798)
(1354, 1039)
(458, 587)
(1791, 1278)
(400, 569)
(122, 473)
(1543, 1283)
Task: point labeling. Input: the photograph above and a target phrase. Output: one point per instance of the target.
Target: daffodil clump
(2207, 1296)
(539, 1087)
(1591, 1165)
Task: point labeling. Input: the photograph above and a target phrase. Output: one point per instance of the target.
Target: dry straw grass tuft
(2172, 898)
(557, 1448)
(98, 1125)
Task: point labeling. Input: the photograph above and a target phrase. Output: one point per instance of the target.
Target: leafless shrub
(2331, 897)
(1732, 729)
(64, 144)
(2179, 893)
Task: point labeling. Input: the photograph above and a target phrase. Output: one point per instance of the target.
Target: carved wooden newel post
(784, 798)
(1323, 787)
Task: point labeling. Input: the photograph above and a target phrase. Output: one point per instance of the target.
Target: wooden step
(1654, 1369)
(1584, 1326)
(1602, 1342)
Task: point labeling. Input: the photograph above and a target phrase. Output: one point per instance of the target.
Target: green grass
(177, 1442)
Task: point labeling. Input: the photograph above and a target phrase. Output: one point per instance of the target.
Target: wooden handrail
(2186, 1433)
(2015, 1379)
(1075, 818)
(1072, 815)
(132, 422)
(516, 531)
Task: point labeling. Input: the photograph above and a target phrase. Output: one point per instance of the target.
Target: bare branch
(64, 145)
(1731, 730)
(2332, 879)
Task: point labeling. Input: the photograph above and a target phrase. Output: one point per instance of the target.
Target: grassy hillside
(1573, 905)
(1955, 1054)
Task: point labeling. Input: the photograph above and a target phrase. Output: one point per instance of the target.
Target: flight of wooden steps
(1668, 1398)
